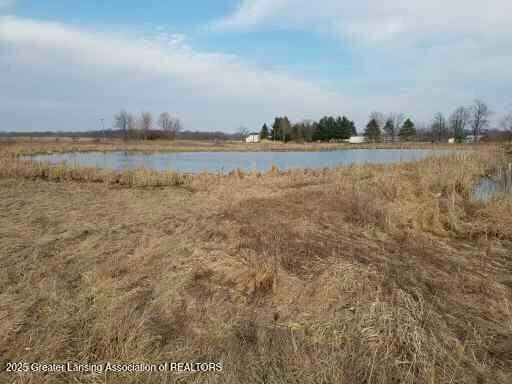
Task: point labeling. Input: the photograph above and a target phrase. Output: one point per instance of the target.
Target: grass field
(43, 145)
(367, 274)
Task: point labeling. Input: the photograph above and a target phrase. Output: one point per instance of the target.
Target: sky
(226, 64)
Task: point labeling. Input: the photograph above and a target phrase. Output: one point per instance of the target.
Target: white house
(357, 139)
(252, 138)
(451, 140)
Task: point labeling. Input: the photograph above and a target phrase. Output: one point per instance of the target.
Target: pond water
(194, 162)
(487, 189)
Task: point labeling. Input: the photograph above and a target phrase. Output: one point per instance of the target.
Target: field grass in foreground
(368, 274)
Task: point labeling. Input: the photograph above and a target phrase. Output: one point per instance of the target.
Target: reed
(362, 274)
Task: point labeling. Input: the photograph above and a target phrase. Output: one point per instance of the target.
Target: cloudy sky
(219, 65)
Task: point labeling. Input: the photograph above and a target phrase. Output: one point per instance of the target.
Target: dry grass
(24, 146)
(368, 274)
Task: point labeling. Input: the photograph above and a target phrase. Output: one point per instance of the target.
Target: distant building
(357, 139)
(472, 138)
(253, 138)
(451, 140)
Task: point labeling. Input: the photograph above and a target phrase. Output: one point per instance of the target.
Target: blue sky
(230, 63)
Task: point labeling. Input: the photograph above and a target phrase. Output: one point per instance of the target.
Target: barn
(253, 138)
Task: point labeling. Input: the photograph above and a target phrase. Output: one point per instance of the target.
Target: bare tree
(506, 122)
(123, 121)
(479, 117)
(378, 117)
(394, 122)
(459, 119)
(164, 121)
(439, 127)
(169, 125)
(243, 132)
(146, 122)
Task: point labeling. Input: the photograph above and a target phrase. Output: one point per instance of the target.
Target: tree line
(143, 126)
(464, 121)
(328, 128)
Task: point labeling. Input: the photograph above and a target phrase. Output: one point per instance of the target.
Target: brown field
(367, 274)
(26, 146)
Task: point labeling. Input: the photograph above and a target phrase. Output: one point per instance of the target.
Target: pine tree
(276, 129)
(346, 128)
(338, 129)
(389, 127)
(372, 131)
(353, 129)
(407, 130)
(264, 133)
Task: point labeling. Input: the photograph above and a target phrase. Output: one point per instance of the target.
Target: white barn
(253, 138)
(357, 139)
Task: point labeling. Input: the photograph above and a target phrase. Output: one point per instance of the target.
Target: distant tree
(337, 133)
(243, 132)
(286, 128)
(459, 119)
(297, 132)
(164, 121)
(393, 124)
(308, 129)
(480, 114)
(275, 129)
(146, 122)
(378, 117)
(123, 121)
(346, 128)
(353, 128)
(264, 133)
(439, 127)
(372, 131)
(281, 129)
(323, 131)
(407, 130)
(169, 125)
(389, 128)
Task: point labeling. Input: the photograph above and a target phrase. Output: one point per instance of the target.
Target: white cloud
(414, 59)
(441, 52)
(58, 68)
(377, 21)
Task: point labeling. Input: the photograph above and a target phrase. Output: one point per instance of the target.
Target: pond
(194, 162)
(488, 188)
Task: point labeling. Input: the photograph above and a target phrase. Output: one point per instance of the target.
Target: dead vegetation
(368, 274)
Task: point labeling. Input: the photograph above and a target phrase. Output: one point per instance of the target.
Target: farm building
(357, 139)
(472, 139)
(253, 138)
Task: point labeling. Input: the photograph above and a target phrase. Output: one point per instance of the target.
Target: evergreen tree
(372, 131)
(264, 133)
(286, 129)
(347, 127)
(389, 127)
(407, 130)
(353, 129)
(322, 130)
(338, 129)
(276, 129)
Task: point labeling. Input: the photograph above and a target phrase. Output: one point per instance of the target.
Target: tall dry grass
(19, 167)
(367, 274)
